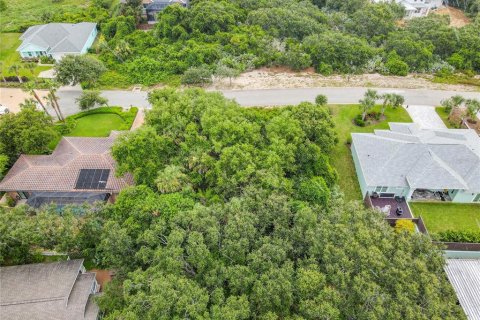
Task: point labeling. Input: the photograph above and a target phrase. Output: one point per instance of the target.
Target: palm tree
(52, 90)
(393, 100)
(15, 68)
(51, 102)
(366, 104)
(473, 107)
(30, 88)
(457, 102)
(372, 94)
(30, 66)
(397, 100)
(387, 101)
(1, 72)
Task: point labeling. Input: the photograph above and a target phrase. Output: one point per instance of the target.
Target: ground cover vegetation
(225, 38)
(228, 221)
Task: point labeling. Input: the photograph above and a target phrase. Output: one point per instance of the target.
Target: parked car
(3, 109)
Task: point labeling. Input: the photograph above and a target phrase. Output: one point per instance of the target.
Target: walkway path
(139, 119)
(425, 116)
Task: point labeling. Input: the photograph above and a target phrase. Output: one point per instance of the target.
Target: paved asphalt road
(270, 97)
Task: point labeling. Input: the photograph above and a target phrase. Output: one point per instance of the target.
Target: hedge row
(458, 236)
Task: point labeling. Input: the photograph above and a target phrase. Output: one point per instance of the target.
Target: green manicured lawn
(341, 156)
(97, 125)
(448, 216)
(97, 122)
(444, 116)
(24, 13)
(9, 43)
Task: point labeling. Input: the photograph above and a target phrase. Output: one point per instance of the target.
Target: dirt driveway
(13, 97)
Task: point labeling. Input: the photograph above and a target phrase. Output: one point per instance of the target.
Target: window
(477, 198)
(381, 189)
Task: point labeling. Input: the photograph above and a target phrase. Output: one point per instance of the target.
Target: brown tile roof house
(80, 169)
(54, 291)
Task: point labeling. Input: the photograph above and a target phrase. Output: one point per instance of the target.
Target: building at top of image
(417, 8)
(56, 40)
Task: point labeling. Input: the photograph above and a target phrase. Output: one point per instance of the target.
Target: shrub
(374, 115)
(197, 76)
(359, 121)
(46, 60)
(404, 225)
(325, 69)
(10, 201)
(397, 67)
(89, 99)
(321, 100)
(66, 127)
(458, 236)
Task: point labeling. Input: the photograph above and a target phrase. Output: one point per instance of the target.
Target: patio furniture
(399, 211)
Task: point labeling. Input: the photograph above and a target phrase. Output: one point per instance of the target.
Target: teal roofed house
(57, 40)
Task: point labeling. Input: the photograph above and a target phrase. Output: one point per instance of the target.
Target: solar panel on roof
(92, 179)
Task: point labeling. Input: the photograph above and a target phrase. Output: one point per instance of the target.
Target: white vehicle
(3, 109)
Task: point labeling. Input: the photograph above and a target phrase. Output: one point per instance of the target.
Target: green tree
(91, 98)
(197, 76)
(258, 256)
(453, 103)
(28, 131)
(395, 65)
(75, 69)
(30, 88)
(15, 68)
(344, 53)
(393, 100)
(30, 66)
(315, 191)
(368, 102)
(321, 100)
(3, 5)
(52, 87)
(142, 153)
(473, 107)
(224, 71)
(171, 179)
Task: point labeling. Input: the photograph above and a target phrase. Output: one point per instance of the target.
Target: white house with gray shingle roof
(55, 291)
(406, 160)
(57, 40)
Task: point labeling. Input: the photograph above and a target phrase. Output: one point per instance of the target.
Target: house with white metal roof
(56, 40)
(464, 275)
(420, 164)
(417, 8)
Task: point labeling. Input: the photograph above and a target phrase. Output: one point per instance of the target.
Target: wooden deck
(382, 202)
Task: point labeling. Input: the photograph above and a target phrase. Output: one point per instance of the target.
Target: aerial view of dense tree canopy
(236, 215)
(333, 36)
(224, 38)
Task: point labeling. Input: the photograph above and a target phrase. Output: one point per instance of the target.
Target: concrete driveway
(425, 116)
